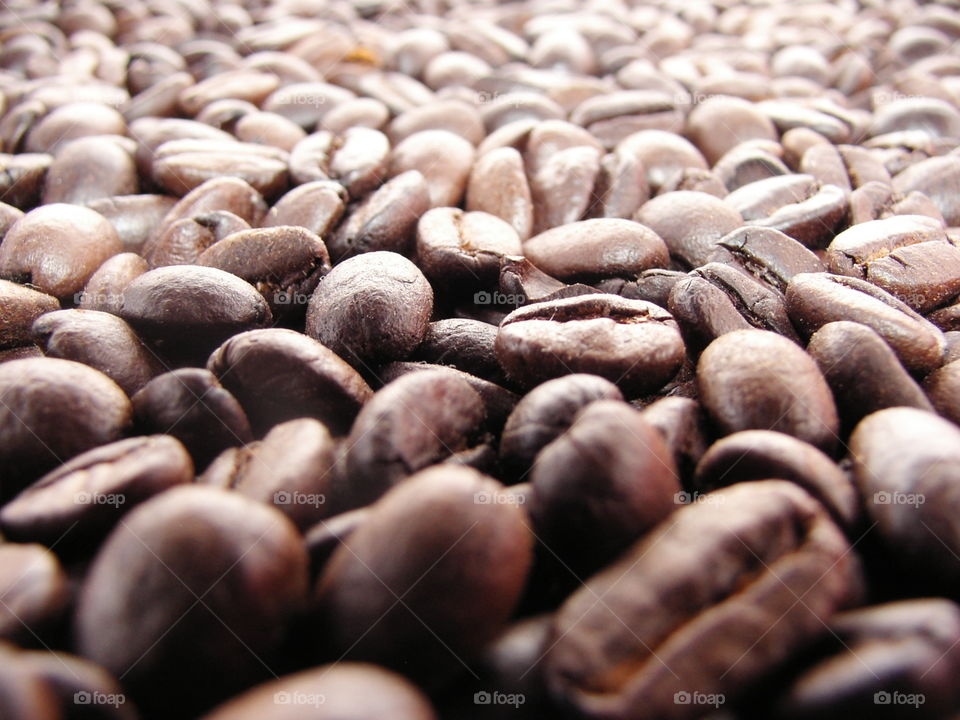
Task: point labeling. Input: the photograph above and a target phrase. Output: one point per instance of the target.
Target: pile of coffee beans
(479, 360)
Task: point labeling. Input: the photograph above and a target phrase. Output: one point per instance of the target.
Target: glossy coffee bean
(465, 344)
(499, 186)
(691, 224)
(21, 306)
(770, 255)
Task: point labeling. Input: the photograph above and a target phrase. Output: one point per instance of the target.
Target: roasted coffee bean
(180, 166)
(291, 469)
(357, 159)
(134, 217)
(34, 590)
(843, 350)
(812, 221)
(244, 84)
(100, 340)
(736, 622)
(104, 289)
(762, 198)
(384, 220)
(764, 454)
(682, 424)
(815, 299)
(280, 374)
(464, 344)
(662, 154)
(88, 495)
(942, 387)
(411, 423)
(938, 178)
(650, 285)
(755, 379)
(747, 163)
(71, 121)
(462, 250)
(545, 413)
(228, 606)
(444, 160)
(180, 244)
(284, 263)
(52, 410)
(524, 281)
(691, 224)
(315, 206)
(22, 179)
(719, 124)
(770, 255)
(268, 129)
(451, 115)
(90, 169)
(357, 690)
(371, 308)
(189, 310)
(562, 189)
(904, 462)
(902, 649)
(703, 311)
(621, 186)
(327, 535)
(222, 193)
(594, 249)
(461, 540)
(57, 248)
(192, 406)
(633, 343)
(498, 185)
(21, 305)
(601, 484)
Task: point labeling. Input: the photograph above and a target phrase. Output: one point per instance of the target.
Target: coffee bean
(903, 463)
(633, 343)
(364, 691)
(222, 193)
(180, 166)
(57, 248)
(21, 306)
(464, 344)
(762, 198)
(663, 154)
(280, 374)
(451, 115)
(747, 163)
(770, 255)
(23, 177)
(357, 159)
(444, 160)
(937, 178)
(525, 282)
(719, 124)
(52, 410)
(812, 221)
(371, 308)
(90, 169)
(315, 206)
(411, 423)
(691, 224)
(612, 117)
(188, 310)
(88, 495)
(691, 647)
(134, 217)
(815, 299)
(358, 112)
(562, 189)
(192, 406)
(268, 129)
(100, 340)
(35, 592)
(594, 249)
(755, 379)
(244, 84)
(72, 121)
(461, 542)
(228, 606)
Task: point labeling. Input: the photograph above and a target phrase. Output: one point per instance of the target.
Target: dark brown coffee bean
(315, 206)
(52, 410)
(463, 250)
(279, 374)
(601, 484)
(703, 312)
(632, 343)
(939, 179)
(326, 536)
(189, 310)
(244, 84)
(682, 424)
(900, 652)
(691, 224)
(21, 306)
(444, 160)
(222, 193)
(562, 188)
(180, 244)
(843, 350)
(192, 406)
(371, 308)
(719, 124)
(621, 186)
(770, 255)
(943, 388)
(180, 166)
(815, 299)
(464, 344)
(291, 469)
(524, 281)
(747, 163)
(100, 340)
(23, 177)
(676, 650)
(90, 169)
(362, 691)
(663, 154)
(25, 696)
(104, 289)
(134, 217)
(594, 249)
(72, 121)
(762, 198)
(754, 379)
(763, 454)
(357, 159)
(825, 163)
(88, 495)
(284, 263)
(451, 115)
(34, 590)
(411, 423)
(651, 285)
(462, 540)
(498, 185)
(384, 220)
(57, 248)
(904, 462)
(813, 221)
